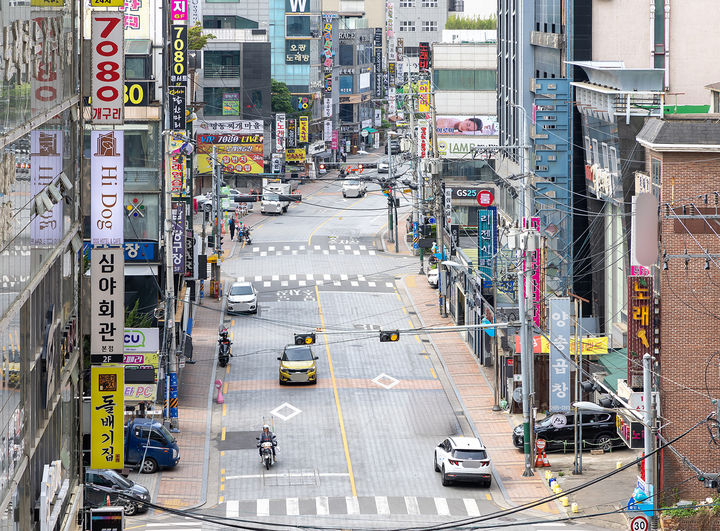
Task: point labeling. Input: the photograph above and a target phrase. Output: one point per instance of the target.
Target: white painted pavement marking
(343, 277)
(411, 504)
(289, 475)
(293, 277)
(309, 276)
(266, 284)
(292, 506)
(316, 247)
(348, 247)
(264, 253)
(441, 505)
(294, 252)
(283, 283)
(333, 247)
(293, 411)
(263, 507)
(232, 508)
(357, 253)
(471, 507)
(275, 277)
(372, 253)
(340, 251)
(302, 247)
(383, 507)
(286, 247)
(278, 253)
(321, 505)
(319, 282)
(326, 277)
(258, 278)
(166, 524)
(271, 248)
(371, 284)
(302, 283)
(353, 505)
(325, 251)
(361, 278)
(336, 283)
(392, 381)
(388, 284)
(240, 279)
(354, 283)
(363, 248)
(255, 249)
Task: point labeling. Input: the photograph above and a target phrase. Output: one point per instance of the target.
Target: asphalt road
(355, 450)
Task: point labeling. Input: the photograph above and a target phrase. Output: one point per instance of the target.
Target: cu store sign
(107, 65)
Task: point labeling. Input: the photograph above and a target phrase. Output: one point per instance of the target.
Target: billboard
(177, 98)
(327, 52)
(141, 340)
(302, 133)
(424, 56)
(178, 66)
(462, 146)
(107, 303)
(178, 9)
(107, 440)
(243, 127)
(640, 326)
(280, 132)
(467, 125)
(297, 51)
(235, 158)
(176, 166)
(559, 354)
(46, 154)
(106, 187)
(296, 155)
(487, 242)
(327, 130)
(107, 67)
(327, 107)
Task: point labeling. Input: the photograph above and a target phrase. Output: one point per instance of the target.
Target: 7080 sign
(107, 73)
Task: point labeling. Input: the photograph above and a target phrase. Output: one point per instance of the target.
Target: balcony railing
(221, 71)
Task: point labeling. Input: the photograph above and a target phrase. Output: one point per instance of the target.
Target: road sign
(540, 444)
(363, 133)
(639, 523)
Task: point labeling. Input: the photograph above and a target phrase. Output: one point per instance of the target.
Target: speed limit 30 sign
(639, 523)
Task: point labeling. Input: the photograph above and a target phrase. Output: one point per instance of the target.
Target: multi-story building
(41, 263)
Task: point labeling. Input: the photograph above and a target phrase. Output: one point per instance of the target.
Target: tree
(471, 23)
(281, 99)
(196, 38)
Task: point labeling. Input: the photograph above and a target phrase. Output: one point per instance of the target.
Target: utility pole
(526, 356)
(649, 434)
(391, 195)
(169, 343)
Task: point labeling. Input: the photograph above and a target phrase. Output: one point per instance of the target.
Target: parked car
(99, 484)
(383, 166)
(353, 188)
(432, 277)
(150, 446)
(207, 201)
(242, 298)
(297, 364)
(558, 430)
(463, 459)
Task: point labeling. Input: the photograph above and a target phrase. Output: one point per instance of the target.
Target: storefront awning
(370, 130)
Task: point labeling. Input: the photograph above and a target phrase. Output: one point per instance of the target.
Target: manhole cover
(238, 440)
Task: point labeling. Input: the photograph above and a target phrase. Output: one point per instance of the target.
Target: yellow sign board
(107, 437)
(295, 155)
(424, 95)
(107, 3)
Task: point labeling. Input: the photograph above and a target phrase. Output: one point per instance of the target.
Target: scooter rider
(267, 436)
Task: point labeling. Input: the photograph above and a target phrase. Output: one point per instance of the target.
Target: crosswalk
(322, 280)
(351, 249)
(354, 505)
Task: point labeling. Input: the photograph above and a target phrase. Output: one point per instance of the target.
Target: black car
(99, 484)
(558, 430)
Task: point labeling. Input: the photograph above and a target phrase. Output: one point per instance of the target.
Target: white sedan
(354, 188)
(463, 459)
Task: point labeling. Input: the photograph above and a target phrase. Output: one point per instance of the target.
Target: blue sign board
(559, 354)
(135, 251)
(487, 242)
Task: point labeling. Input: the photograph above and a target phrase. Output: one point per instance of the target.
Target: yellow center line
(220, 500)
(417, 338)
(225, 387)
(432, 371)
(227, 369)
(337, 398)
(488, 496)
(224, 410)
(331, 217)
(222, 434)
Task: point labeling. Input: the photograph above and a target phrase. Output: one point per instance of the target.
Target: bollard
(565, 501)
(574, 508)
(551, 482)
(548, 475)
(557, 489)
(202, 289)
(220, 398)
(618, 464)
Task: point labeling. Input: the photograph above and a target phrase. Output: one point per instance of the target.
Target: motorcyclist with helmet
(267, 436)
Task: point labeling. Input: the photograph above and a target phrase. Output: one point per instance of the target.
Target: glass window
(407, 25)
(465, 79)
(346, 55)
(346, 84)
(429, 25)
(220, 102)
(606, 161)
(470, 454)
(588, 150)
(430, 3)
(596, 152)
(298, 354)
(407, 3)
(613, 161)
(297, 26)
(135, 67)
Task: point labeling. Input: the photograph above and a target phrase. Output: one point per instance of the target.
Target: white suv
(463, 459)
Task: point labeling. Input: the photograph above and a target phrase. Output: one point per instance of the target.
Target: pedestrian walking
(232, 229)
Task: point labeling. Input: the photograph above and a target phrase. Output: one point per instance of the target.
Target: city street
(355, 449)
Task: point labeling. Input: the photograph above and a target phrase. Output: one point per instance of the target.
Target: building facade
(40, 260)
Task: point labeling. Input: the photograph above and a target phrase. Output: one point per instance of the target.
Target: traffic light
(322, 166)
(711, 481)
(304, 339)
(211, 240)
(389, 335)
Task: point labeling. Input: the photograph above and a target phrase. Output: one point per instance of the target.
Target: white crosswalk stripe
(292, 506)
(232, 509)
(263, 507)
(353, 505)
(411, 504)
(471, 507)
(382, 505)
(295, 249)
(322, 506)
(442, 507)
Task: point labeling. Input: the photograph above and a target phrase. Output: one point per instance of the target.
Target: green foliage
(471, 23)
(196, 38)
(137, 319)
(281, 98)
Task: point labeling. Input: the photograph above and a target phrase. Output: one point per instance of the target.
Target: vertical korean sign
(280, 132)
(640, 336)
(327, 53)
(487, 243)
(178, 10)
(176, 167)
(46, 161)
(107, 62)
(378, 63)
(302, 134)
(559, 354)
(424, 95)
(106, 187)
(536, 283)
(423, 138)
(177, 92)
(290, 135)
(424, 56)
(327, 130)
(335, 140)
(178, 237)
(107, 299)
(107, 388)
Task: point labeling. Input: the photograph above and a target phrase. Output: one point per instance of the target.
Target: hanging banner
(487, 242)
(335, 141)
(178, 10)
(290, 140)
(107, 299)
(424, 56)
(423, 138)
(327, 130)
(46, 153)
(176, 166)
(177, 95)
(302, 136)
(640, 326)
(178, 237)
(559, 354)
(106, 187)
(107, 438)
(195, 12)
(280, 132)
(107, 67)
(424, 95)
(389, 20)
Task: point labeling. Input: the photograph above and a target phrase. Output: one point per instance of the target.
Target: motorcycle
(266, 454)
(224, 353)
(245, 235)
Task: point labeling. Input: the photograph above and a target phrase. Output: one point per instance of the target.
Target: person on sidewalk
(267, 436)
(232, 229)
